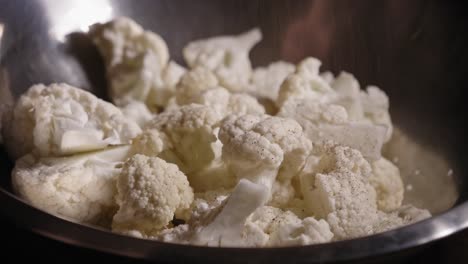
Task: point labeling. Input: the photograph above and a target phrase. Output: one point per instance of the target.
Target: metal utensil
(414, 50)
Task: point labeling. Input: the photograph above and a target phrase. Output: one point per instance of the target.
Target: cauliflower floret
(171, 75)
(60, 119)
(322, 121)
(340, 192)
(80, 187)
(136, 62)
(386, 180)
(265, 82)
(224, 102)
(150, 193)
(190, 133)
(339, 189)
(193, 83)
(375, 104)
(261, 147)
(271, 226)
(226, 56)
(224, 227)
(137, 112)
(304, 83)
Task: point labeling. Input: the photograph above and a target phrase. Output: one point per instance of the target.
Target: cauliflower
(375, 105)
(136, 62)
(271, 226)
(224, 227)
(260, 148)
(80, 187)
(307, 85)
(304, 83)
(322, 121)
(138, 112)
(150, 193)
(340, 191)
(224, 102)
(265, 82)
(226, 56)
(190, 133)
(194, 82)
(60, 119)
(386, 180)
(200, 86)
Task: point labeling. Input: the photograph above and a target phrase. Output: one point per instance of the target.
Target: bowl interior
(413, 50)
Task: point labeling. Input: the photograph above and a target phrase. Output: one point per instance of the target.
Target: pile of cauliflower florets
(216, 154)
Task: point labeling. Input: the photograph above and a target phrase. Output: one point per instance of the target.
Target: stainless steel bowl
(414, 50)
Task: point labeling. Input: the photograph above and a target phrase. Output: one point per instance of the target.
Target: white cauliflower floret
(308, 85)
(340, 191)
(224, 102)
(224, 228)
(271, 226)
(190, 131)
(137, 112)
(150, 193)
(80, 187)
(194, 82)
(322, 121)
(60, 119)
(261, 147)
(305, 83)
(136, 62)
(171, 75)
(226, 56)
(375, 104)
(386, 180)
(265, 82)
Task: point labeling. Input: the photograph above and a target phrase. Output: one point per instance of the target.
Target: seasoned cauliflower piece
(60, 119)
(224, 228)
(265, 82)
(322, 121)
(137, 112)
(80, 187)
(386, 180)
(226, 56)
(150, 193)
(190, 131)
(340, 191)
(271, 226)
(135, 61)
(261, 147)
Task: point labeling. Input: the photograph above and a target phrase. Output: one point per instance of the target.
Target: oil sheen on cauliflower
(59, 119)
